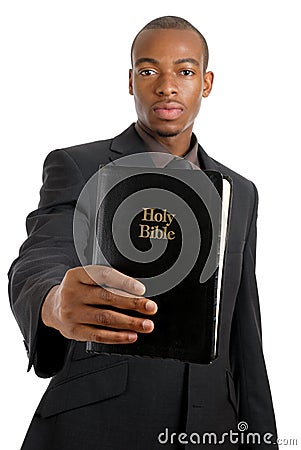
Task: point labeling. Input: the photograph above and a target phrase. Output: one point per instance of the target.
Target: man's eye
(147, 72)
(187, 72)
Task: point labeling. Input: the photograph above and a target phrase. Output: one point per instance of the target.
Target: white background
(64, 72)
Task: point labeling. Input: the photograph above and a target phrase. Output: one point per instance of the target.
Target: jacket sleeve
(246, 354)
(43, 260)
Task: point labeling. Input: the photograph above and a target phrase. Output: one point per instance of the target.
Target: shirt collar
(153, 145)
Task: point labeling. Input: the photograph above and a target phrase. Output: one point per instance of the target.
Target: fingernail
(150, 306)
(132, 337)
(147, 325)
(139, 288)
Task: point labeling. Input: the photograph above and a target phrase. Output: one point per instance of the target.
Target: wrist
(47, 310)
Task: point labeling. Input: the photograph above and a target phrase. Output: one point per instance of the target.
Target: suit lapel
(129, 142)
(206, 162)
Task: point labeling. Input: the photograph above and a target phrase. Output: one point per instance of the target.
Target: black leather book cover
(163, 227)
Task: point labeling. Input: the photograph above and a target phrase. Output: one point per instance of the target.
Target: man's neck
(177, 145)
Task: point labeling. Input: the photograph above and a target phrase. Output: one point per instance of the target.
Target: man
(120, 402)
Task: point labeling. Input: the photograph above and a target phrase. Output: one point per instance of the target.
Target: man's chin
(167, 133)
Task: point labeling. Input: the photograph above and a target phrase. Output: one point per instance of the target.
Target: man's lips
(168, 111)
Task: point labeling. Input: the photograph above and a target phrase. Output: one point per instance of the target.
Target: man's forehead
(158, 41)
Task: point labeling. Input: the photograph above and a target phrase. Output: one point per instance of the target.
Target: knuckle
(134, 324)
(136, 303)
(106, 296)
(69, 275)
(106, 273)
(121, 337)
(128, 284)
(66, 316)
(96, 337)
(104, 318)
(66, 294)
(72, 331)
(65, 312)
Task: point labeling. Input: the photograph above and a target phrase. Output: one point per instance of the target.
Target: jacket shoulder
(86, 157)
(95, 150)
(88, 147)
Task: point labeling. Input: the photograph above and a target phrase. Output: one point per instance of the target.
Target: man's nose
(166, 85)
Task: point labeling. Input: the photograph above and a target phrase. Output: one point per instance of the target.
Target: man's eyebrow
(187, 60)
(178, 61)
(146, 60)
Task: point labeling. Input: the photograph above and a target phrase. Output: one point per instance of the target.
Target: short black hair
(174, 23)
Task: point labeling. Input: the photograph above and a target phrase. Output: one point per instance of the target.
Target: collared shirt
(154, 146)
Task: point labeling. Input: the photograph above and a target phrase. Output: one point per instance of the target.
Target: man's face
(168, 81)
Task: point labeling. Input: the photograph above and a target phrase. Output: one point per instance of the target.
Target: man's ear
(131, 81)
(208, 82)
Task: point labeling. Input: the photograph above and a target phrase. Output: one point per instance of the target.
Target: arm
(53, 298)
(43, 260)
(246, 354)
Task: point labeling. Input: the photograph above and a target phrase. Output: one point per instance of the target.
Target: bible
(167, 228)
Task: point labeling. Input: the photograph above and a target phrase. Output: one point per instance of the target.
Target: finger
(114, 319)
(88, 333)
(109, 296)
(123, 300)
(100, 275)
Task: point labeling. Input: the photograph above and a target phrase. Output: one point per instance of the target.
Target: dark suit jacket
(117, 402)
